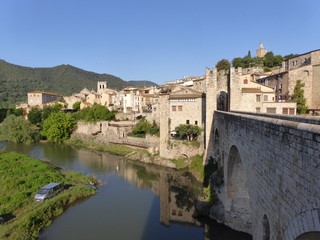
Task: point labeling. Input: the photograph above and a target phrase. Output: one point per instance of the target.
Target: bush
(188, 131)
(35, 116)
(76, 106)
(19, 130)
(58, 127)
(95, 113)
(142, 127)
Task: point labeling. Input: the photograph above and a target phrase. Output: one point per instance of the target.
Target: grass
(116, 149)
(21, 177)
(180, 162)
(196, 167)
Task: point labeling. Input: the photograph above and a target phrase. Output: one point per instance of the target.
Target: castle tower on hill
(101, 86)
(261, 51)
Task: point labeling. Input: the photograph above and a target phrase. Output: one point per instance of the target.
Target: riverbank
(193, 165)
(21, 178)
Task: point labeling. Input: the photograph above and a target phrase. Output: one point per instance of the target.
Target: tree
(277, 60)
(35, 116)
(19, 130)
(298, 96)
(142, 127)
(76, 105)
(58, 126)
(237, 62)
(223, 64)
(188, 131)
(95, 113)
(47, 110)
(269, 60)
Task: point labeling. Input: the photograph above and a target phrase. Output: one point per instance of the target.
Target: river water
(138, 201)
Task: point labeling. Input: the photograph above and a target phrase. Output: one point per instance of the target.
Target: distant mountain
(16, 81)
(141, 84)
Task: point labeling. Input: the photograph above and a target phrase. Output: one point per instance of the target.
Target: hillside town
(193, 100)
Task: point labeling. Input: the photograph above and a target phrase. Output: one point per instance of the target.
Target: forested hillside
(16, 81)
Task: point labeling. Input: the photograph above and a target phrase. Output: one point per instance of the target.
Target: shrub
(188, 131)
(19, 130)
(95, 113)
(58, 127)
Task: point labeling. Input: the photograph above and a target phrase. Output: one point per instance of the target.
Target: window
(271, 110)
(187, 122)
(257, 110)
(179, 108)
(245, 81)
(265, 98)
(258, 98)
(291, 111)
(285, 110)
(196, 122)
(174, 108)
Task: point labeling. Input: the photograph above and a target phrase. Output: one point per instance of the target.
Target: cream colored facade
(261, 52)
(38, 98)
(249, 96)
(186, 106)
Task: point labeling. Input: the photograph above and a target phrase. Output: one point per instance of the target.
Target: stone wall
(316, 87)
(116, 132)
(304, 74)
(271, 175)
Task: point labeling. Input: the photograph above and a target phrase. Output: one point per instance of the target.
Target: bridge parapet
(294, 118)
(271, 174)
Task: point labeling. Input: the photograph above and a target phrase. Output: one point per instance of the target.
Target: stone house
(38, 98)
(131, 100)
(186, 106)
(304, 67)
(250, 96)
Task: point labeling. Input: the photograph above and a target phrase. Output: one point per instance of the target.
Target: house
(304, 67)
(38, 98)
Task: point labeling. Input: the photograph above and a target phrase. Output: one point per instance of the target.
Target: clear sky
(155, 40)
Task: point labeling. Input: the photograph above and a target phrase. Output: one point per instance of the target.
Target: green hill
(16, 81)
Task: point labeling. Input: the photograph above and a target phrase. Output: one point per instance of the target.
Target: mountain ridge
(16, 81)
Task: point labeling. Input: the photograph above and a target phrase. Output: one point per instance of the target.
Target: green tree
(95, 113)
(47, 110)
(268, 59)
(58, 126)
(76, 105)
(19, 130)
(223, 64)
(142, 127)
(298, 96)
(35, 116)
(277, 60)
(237, 62)
(188, 131)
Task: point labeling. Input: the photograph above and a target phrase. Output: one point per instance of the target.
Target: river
(138, 201)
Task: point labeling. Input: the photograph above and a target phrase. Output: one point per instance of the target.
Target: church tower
(261, 51)
(101, 86)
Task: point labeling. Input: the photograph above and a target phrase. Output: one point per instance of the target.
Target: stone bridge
(271, 170)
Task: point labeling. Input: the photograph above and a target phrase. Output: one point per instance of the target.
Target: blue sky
(155, 40)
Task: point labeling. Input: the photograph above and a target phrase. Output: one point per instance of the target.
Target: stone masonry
(271, 175)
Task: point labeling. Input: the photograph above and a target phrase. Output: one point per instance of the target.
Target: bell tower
(261, 51)
(101, 86)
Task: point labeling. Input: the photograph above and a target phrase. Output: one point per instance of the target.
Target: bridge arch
(237, 188)
(266, 228)
(309, 236)
(300, 228)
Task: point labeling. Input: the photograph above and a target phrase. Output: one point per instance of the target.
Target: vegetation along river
(137, 201)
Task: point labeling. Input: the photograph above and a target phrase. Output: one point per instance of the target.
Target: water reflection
(130, 206)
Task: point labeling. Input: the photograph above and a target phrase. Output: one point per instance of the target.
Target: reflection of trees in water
(184, 198)
(145, 176)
